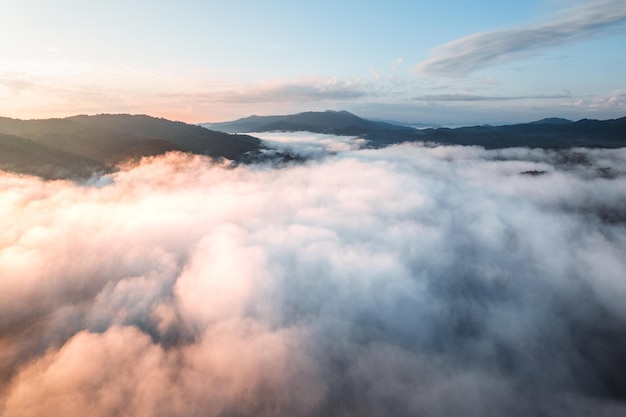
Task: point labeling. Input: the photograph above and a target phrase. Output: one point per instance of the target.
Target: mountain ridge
(551, 132)
(342, 123)
(78, 145)
(329, 119)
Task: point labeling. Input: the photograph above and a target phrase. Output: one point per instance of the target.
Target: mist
(409, 280)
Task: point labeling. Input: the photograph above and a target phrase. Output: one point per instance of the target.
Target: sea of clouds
(404, 281)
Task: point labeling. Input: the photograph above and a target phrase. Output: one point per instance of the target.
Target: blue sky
(450, 61)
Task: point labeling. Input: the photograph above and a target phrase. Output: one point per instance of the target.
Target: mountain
(307, 121)
(342, 123)
(546, 133)
(24, 156)
(552, 121)
(181, 136)
(79, 145)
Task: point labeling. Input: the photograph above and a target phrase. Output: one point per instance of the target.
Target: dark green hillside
(321, 122)
(555, 135)
(106, 146)
(27, 157)
(341, 123)
(183, 136)
(76, 146)
(546, 133)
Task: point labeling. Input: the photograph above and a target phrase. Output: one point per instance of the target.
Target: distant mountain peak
(327, 121)
(341, 112)
(552, 121)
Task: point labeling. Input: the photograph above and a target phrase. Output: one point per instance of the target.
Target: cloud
(401, 281)
(304, 89)
(473, 97)
(16, 83)
(194, 95)
(465, 55)
(612, 100)
(395, 64)
(279, 95)
(492, 81)
(306, 145)
(376, 74)
(56, 93)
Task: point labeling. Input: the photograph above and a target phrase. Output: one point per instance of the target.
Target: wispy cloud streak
(306, 89)
(474, 97)
(463, 56)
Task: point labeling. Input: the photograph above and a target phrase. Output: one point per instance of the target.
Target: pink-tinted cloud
(408, 280)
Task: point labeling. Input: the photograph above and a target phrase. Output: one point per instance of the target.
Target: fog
(410, 280)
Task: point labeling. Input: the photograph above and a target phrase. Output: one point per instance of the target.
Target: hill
(24, 156)
(79, 145)
(545, 133)
(342, 123)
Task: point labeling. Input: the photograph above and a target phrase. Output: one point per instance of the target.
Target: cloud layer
(400, 281)
(468, 54)
(474, 97)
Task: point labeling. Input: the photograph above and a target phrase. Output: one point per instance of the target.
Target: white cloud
(611, 101)
(308, 145)
(465, 55)
(406, 281)
(491, 80)
(474, 97)
(305, 89)
(376, 74)
(395, 64)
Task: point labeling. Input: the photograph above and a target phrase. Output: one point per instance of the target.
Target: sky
(448, 62)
